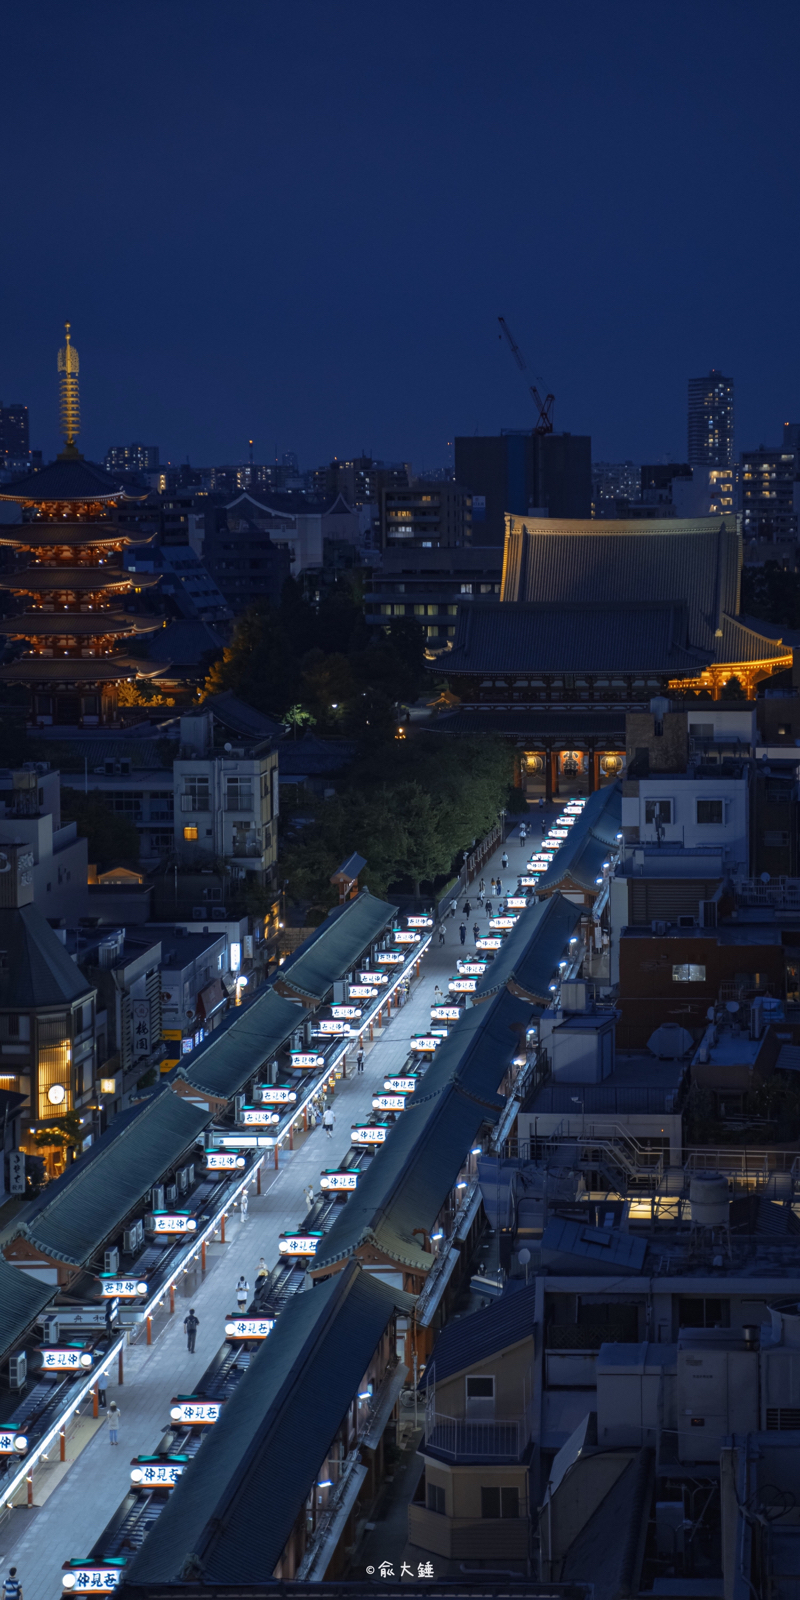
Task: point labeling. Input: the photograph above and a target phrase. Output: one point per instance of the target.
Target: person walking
(491, 891)
(523, 833)
(481, 896)
(263, 1271)
(308, 1194)
(504, 861)
(101, 1391)
(328, 1119)
(453, 907)
(498, 887)
(12, 1588)
(245, 1201)
(541, 803)
(482, 886)
(242, 1292)
(114, 1418)
(360, 1059)
(466, 908)
(462, 932)
(442, 934)
(312, 1117)
(191, 1324)
(476, 932)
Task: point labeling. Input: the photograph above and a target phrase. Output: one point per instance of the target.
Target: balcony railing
(498, 1439)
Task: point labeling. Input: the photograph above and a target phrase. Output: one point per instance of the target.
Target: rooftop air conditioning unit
(219, 913)
(140, 1232)
(157, 1197)
(18, 1370)
(111, 1260)
(658, 929)
(130, 1239)
(171, 1193)
(686, 922)
(198, 912)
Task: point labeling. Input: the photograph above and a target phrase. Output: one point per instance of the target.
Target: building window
(500, 1502)
(436, 1498)
(657, 812)
(195, 795)
(697, 1312)
(466, 588)
(190, 831)
(775, 839)
(688, 972)
(711, 811)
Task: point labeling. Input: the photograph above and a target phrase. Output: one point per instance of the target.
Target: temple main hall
(596, 619)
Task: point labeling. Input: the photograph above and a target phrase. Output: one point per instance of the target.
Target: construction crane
(544, 407)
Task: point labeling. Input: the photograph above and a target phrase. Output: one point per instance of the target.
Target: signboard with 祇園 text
(140, 1020)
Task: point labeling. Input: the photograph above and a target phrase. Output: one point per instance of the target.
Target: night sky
(298, 220)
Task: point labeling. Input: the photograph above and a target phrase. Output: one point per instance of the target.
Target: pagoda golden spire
(69, 394)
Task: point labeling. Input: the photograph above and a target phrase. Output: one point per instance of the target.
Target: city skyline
(234, 228)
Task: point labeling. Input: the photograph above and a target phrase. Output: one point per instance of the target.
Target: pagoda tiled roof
(46, 535)
(34, 670)
(66, 478)
(82, 624)
(45, 580)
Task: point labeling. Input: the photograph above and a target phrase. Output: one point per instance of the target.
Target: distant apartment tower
(711, 420)
(14, 443)
(519, 471)
(132, 458)
(428, 516)
(767, 490)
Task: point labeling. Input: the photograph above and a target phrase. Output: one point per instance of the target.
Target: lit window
(190, 831)
(688, 972)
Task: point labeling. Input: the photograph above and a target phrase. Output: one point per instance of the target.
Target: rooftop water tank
(708, 1194)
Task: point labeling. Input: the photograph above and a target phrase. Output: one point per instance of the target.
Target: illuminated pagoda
(70, 582)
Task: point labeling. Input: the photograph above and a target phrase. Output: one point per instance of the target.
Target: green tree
(61, 1133)
(113, 838)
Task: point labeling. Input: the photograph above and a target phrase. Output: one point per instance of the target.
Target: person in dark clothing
(463, 933)
(466, 908)
(191, 1324)
(476, 932)
(360, 1060)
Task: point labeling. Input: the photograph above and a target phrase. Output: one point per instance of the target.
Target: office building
(429, 585)
(132, 458)
(426, 515)
(517, 471)
(14, 440)
(359, 480)
(768, 491)
(711, 420)
(226, 804)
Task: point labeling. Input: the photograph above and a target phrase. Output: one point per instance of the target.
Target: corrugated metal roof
(224, 1062)
(236, 1505)
(407, 1181)
(74, 1220)
(532, 950)
(696, 563)
(335, 947)
(470, 1339)
(478, 1051)
(580, 859)
(577, 636)
(37, 970)
(21, 1300)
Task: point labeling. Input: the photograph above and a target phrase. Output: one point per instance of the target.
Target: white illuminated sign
(558, 833)
(157, 1474)
(92, 1579)
(529, 883)
(424, 1041)
(332, 1025)
(489, 943)
(298, 1244)
(362, 991)
(372, 977)
(307, 1058)
(248, 1327)
(473, 969)
(420, 922)
(274, 1094)
(223, 1161)
(463, 985)
(517, 902)
(195, 1412)
(445, 1013)
(351, 1012)
(236, 957)
(502, 922)
(368, 1135)
(406, 938)
(123, 1288)
(405, 1085)
(388, 1102)
(389, 958)
(12, 1442)
(173, 1222)
(67, 1358)
(257, 1117)
(340, 1182)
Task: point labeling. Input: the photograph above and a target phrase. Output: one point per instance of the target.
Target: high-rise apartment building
(711, 420)
(767, 489)
(428, 515)
(132, 458)
(518, 471)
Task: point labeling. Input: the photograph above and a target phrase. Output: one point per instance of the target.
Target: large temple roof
(52, 535)
(691, 563)
(80, 624)
(584, 637)
(48, 580)
(67, 478)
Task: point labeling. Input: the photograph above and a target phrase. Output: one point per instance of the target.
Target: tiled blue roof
(225, 1062)
(577, 636)
(471, 1339)
(529, 956)
(335, 947)
(580, 859)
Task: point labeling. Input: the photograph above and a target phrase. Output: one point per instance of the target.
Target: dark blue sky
(298, 220)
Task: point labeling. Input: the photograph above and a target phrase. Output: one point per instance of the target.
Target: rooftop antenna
(250, 442)
(69, 396)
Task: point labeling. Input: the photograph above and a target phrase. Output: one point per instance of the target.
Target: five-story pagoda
(70, 581)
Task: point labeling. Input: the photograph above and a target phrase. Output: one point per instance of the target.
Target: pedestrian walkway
(40, 1539)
